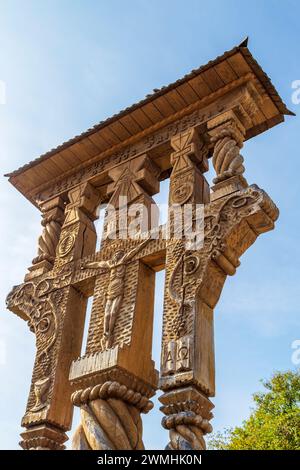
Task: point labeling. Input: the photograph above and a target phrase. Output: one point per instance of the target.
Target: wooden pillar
(55, 312)
(116, 378)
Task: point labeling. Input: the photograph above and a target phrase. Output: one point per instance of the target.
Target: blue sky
(67, 65)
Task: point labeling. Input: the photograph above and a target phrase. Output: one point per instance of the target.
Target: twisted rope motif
(227, 160)
(186, 431)
(110, 418)
(48, 241)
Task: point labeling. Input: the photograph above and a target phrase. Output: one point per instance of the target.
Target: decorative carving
(181, 193)
(110, 417)
(194, 115)
(117, 270)
(109, 425)
(177, 356)
(48, 240)
(115, 379)
(191, 264)
(40, 389)
(227, 135)
(66, 244)
(194, 283)
(53, 216)
(187, 418)
(112, 389)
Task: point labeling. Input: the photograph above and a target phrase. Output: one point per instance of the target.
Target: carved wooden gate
(171, 134)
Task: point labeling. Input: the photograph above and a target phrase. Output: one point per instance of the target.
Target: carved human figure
(115, 290)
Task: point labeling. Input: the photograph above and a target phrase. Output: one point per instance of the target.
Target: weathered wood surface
(173, 133)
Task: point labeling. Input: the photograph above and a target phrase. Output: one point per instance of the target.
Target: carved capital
(189, 160)
(83, 201)
(43, 437)
(139, 176)
(189, 148)
(78, 236)
(188, 412)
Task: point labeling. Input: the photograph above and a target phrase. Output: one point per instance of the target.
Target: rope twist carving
(49, 239)
(227, 160)
(186, 430)
(110, 417)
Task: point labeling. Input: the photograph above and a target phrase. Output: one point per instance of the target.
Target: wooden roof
(133, 121)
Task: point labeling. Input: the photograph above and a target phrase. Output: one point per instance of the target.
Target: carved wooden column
(185, 401)
(116, 378)
(53, 217)
(55, 312)
(194, 280)
(227, 135)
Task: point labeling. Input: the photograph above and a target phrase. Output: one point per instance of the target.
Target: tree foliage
(274, 423)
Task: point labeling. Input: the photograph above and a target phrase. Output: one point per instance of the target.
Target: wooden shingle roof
(149, 113)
